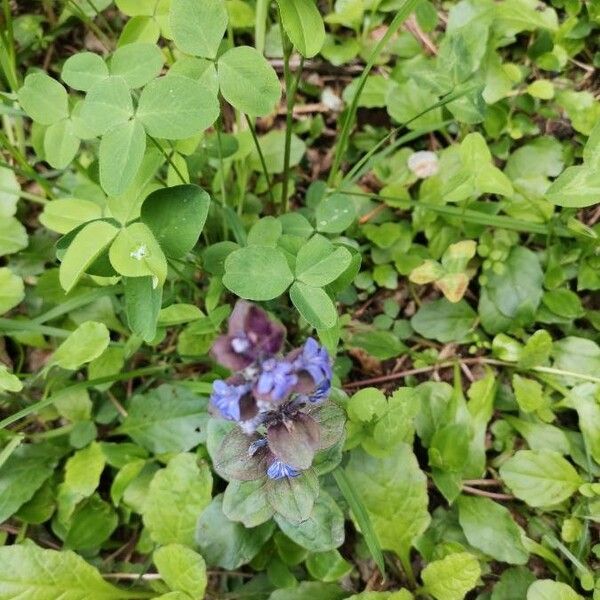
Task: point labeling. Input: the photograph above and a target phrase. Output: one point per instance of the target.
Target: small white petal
(424, 164)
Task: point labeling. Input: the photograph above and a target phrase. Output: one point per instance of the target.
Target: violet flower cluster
(269, 395)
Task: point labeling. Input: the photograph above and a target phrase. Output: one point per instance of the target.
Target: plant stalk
(340, 149)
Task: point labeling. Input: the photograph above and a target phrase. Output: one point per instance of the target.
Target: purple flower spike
(279, 470)
(251, 336)
(227, 397)
(314, 359)
(321, 393)
(276, 379)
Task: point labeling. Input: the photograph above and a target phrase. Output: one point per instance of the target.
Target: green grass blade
(362, 517)
(362, 166)
(403, 13)
(28, 410)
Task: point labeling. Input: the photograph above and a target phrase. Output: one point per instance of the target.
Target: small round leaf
(176, 216)
(198, 27)
(176, 107)
(257, 273)
(248, 82)
(82, 71)
(44, 99)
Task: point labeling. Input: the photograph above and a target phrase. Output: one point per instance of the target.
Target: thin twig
(482, 482)
(413, 27)
(494, 495)
(118, 406)
(372, 214)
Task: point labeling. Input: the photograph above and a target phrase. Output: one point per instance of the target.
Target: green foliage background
(415, 183)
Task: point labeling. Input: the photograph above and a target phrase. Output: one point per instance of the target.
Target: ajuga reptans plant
(275, 399)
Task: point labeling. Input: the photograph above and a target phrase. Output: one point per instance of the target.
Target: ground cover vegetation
(299, 299)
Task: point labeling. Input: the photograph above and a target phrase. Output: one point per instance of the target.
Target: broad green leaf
(536, 351)
(257, 273)
(246, 502)
(584, 399)
(60, 144)
(514, 16)
(176, 107)
(89, 243)
(228, 448)
(225, 543)
(8, 381)
(546, 589)
(540, 478)
(204, 71)
(166, 419)
(23, 473)
(83, 70)
(272, 145)
(9, 192)
(444, 321)
(27, 570)
(335, 214)
(44, 99)
(73, 404)
(182, 569)
(265, 232)
(474, 151)
(366, 404)
(490, 180)
(489, 527)
(142, 305)
(12, 290)
(577, 354)
(176, 216)
(293, 498)
(198, 28)
(380, 344)
(176, 314)
(394, 492)
(296, 224)
(83, 345)
(13, 236)
(517, 290)
(528, 393)
(248, 82)
(451, 577)
(176, 497)
(82, 477)
(323, 530)
(540, 435)
(319, 262)
(327, 566)
(136, 253)
(137, 64)
(314, 305)
(576, 187)
(591, 151)
(541, 88)
(513, 583)
(407, 100)
(142, 29)
(107, 104)
(121, 154)
(303, 24)
(91, 524)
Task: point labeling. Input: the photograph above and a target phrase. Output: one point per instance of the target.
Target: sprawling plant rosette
(275, 421)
